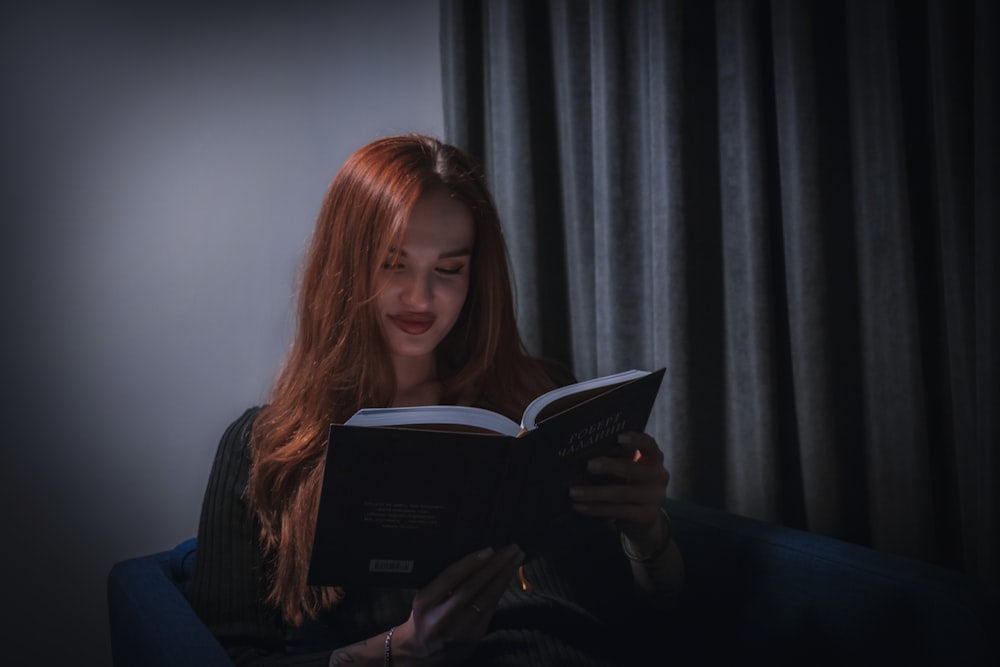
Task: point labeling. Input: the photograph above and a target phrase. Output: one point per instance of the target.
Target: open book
(460, 416)
(408, 491)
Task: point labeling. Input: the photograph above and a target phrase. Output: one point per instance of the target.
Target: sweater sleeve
(228, 588)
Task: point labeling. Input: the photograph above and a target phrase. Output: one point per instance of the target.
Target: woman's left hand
(633, 503)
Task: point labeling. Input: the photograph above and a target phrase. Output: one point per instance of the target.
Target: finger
(471, 589)
(638, 514)
(618, 494)
(455, 575)
(473, 603)
(644, 443)
(485, 603)
(629, 502)
(633, 473)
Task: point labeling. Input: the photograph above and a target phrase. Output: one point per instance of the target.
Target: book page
(560, 399)
(437, 417)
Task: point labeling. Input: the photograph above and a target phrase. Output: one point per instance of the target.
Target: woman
(406, 300)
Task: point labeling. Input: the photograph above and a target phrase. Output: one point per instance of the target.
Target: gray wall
(162, 167)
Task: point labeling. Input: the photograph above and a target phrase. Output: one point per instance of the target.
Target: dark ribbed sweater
(580, 609)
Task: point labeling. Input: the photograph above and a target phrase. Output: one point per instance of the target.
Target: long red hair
(339, 363)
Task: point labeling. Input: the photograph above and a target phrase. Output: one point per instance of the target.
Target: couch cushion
(181, 564)
(758, 589)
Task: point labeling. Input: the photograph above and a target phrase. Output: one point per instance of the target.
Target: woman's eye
(451, 270)
(389, 266)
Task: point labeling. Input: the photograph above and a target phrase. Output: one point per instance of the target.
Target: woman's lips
(413, 324)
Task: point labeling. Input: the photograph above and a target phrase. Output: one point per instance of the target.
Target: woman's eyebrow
(448, 254)
(459, 252)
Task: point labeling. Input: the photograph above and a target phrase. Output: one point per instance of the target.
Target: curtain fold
(979, 466)
(790, 205)
(806, 269)
(890, 334)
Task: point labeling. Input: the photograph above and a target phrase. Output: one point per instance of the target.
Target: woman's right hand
(450, 615)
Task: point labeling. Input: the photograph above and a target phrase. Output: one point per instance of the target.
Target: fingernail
(485, 553)
(593, 465)
(510, 550)
(624, 438)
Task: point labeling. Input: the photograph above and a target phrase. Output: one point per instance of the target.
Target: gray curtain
(791, 205)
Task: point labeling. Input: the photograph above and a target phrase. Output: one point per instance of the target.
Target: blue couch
(754, 592)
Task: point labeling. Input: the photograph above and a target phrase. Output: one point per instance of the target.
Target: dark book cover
(399, 505)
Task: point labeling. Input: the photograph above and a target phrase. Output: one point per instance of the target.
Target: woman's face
(427, 283)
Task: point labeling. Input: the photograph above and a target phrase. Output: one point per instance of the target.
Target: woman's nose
(417, 291)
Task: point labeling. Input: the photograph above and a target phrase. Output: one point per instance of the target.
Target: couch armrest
(759, 589)
(152, 624)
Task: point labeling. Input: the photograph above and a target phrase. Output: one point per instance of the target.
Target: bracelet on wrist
(388, 647)
(655, 553)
